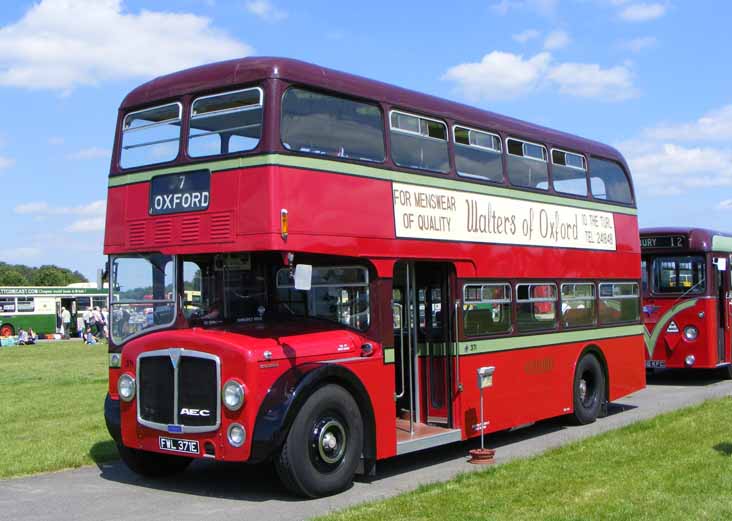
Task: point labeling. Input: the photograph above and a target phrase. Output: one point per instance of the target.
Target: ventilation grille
(136, 234)
(163, 233)
(220, 227)
(190, 229)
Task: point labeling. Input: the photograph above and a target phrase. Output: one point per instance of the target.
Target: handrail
(457, 348)
(397, 306)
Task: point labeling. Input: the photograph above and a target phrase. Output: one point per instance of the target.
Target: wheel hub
(330, 440)
(583, 389)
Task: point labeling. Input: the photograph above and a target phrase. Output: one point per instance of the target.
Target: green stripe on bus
(720, 243)
(389, 355)
(371, 172)
(547, 339)
(651, 339)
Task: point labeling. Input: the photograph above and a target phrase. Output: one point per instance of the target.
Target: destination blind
(450, 215)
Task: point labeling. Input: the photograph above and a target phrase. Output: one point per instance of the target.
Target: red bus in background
(687, 305)
(357, 251)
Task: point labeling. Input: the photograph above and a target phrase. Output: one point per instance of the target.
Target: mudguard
(288, 394)
(112, 418)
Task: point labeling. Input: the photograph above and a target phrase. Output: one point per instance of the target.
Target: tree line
(46, 275)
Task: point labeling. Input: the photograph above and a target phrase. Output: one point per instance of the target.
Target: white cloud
(556, 40)
(90, 153)
(21, 254)
(43, 208)
(542, 7)
(6, 162)
(673, 159)
(642, 12)
(589, 80)
(95, 224)
(62, 44)
(725, 204)
(265, 10)
(501, 75)
(715, 125)
(525, 36)
(636, 45)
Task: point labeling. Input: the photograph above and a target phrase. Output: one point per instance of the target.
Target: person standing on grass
(80, 325)
(66, 319)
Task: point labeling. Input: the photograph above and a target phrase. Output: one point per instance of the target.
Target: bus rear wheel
(152, 464)
(589, 390)
(6, 330)
(324, 445)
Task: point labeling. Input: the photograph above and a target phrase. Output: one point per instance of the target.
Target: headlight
(233, 395)
(690, 333)
(236, 435)
(126, 387)
(689, 361)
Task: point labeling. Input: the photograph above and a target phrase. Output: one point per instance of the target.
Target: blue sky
(648, 77)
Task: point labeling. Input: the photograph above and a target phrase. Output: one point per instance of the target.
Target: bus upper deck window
(225, 123)
(609, 181)
(527, 164)
(478, 154)
(418, 142)
(569, 172)
(327, 125)
(151, 136)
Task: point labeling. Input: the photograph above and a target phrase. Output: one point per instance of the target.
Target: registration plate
(176, 193)
(655, 364)
(174, 445)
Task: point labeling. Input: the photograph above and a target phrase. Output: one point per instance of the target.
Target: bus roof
(231, 73)
(700, 239)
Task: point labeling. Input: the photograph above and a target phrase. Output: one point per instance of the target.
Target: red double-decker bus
(332, 259)
(687, 298)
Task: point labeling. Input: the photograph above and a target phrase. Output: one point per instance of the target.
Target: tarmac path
(211, 491)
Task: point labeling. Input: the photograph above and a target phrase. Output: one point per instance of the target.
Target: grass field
(52, 407)
(676, 466)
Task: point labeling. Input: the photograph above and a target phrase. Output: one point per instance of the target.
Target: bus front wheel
(152, 464)
(589, 390)
(324, 444)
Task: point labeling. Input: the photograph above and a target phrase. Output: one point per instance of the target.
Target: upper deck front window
(608, 181)
(225, 123)
(151, 136)
(327, 125)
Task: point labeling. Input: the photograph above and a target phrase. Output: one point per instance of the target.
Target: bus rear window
(679, 275)
(527, 164)
(326, 125)
(608, 181)
(225, 123)
(151, 136)
(418, 142)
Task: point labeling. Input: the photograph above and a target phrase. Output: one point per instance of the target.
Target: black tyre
(152, 464)
(726, 371)
(324, 445)
(589, 390)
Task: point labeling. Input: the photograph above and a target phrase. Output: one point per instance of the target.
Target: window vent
(220, 227)
(190, 228)
(163, 232)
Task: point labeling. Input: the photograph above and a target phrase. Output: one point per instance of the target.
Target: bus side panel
(534, 384)
(625, 365)
(41, 324)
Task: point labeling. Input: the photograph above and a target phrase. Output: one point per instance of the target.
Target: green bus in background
(37, 307)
